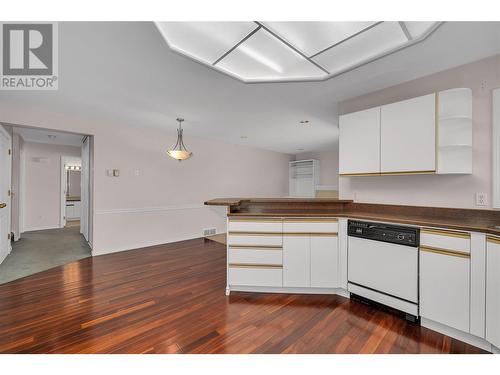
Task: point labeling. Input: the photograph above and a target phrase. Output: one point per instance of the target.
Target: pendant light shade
(179, 151)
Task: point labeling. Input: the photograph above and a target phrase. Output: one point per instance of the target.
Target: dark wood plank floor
(170, 299)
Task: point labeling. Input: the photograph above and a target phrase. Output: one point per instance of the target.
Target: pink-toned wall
(157, 199)
(434, 190)
(328, 164)
(42, 190)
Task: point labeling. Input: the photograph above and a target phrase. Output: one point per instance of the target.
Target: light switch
(481, 199)
(116, 172)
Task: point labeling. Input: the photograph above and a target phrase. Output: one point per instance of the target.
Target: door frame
(64, 184)
(9, 185)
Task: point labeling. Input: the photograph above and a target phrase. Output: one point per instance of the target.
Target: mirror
(73, 188)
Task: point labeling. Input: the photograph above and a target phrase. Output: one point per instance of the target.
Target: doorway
(50, 186)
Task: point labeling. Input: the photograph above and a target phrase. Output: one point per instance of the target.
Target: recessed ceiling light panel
(313, 37)
(264, 57)
(204, 41)
(290, 51)
(380, 39)
(417, 29)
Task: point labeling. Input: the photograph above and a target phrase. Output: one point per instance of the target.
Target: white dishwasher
(382, 264)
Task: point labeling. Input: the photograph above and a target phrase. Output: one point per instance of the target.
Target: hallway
(40, 250)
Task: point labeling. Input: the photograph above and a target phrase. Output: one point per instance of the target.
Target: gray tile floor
(40, 250)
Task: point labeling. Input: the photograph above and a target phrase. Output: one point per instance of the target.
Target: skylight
(290, 51)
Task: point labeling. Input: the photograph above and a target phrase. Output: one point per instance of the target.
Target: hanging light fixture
(179, 151)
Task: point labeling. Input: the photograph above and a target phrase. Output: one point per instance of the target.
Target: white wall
(328, 164)
(42, 192)
(434, 190)
(164, 203)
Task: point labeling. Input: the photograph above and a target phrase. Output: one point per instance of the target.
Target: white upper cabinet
(427, 134)
(408, 135)
(359, 142)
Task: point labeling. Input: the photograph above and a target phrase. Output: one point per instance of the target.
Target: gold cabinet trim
(445, 233)
(436, 250)
(3, 205)
(255, 247)
(312, 220)
(387, 173)
(243, 233)
(255, 220)
(492, 239)
(317, 234)
(254, 265)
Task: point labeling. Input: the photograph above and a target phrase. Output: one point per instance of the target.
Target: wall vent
(209, 232)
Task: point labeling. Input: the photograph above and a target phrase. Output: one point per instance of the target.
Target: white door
(493, 291)
(296, 261)
(359, 142)
(408, 135)
(5, 207)
(324, 261)
(445, 289)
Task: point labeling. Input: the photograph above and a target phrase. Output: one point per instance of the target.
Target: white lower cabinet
(324, 261)
(445, 288)
(296, 260)
(289, 253)
(493, 291)
(254, 275)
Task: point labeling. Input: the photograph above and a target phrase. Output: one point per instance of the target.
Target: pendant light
(179, 151)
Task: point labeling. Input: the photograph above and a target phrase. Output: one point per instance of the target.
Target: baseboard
(258, 289)
(138, 246)
(457, 334)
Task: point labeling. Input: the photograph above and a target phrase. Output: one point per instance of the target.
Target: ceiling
(49, 137)
(290, 51)
(123, 72)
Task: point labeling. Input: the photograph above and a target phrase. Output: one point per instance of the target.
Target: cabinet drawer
(254, 256)
(310, 225)
(445, 240)
(255, 276)
(254, 239)
(255, 225)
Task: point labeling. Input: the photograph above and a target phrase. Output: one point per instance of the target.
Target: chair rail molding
(496, 147)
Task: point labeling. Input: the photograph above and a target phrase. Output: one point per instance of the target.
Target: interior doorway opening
(48, 183)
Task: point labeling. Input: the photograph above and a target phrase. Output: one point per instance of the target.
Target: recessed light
(304, 122)
(51, 136)
(244, 137)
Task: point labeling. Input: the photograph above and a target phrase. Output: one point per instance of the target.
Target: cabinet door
(408, 135)
(359, 142)
(296, 260)
(324, 261)
(493, 291)
(445, 288)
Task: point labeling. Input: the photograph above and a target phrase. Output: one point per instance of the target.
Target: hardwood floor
(170, 299)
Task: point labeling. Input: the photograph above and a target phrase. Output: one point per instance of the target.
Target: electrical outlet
(481, 199)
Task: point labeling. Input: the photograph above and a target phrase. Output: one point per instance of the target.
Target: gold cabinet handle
(3, 205)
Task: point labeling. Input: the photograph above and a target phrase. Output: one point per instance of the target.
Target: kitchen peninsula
(439, 266)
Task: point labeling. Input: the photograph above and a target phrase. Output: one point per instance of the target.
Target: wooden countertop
(238, 201)
(473, 220)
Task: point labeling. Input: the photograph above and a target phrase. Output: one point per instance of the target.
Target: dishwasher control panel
(400, 235)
